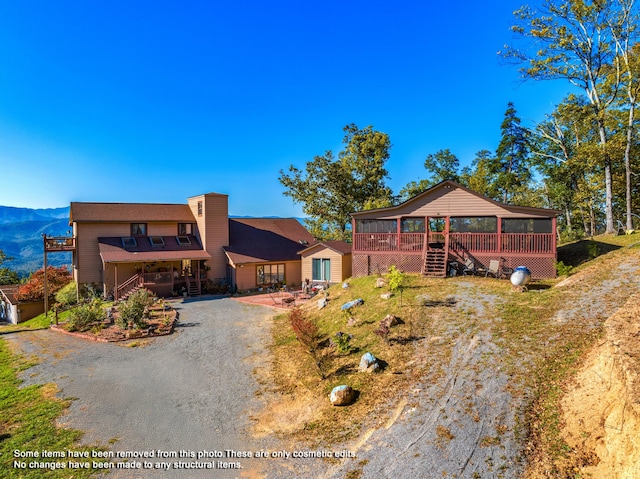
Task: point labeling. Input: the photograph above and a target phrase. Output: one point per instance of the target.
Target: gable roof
(339, 247)
(256, 240)
(129, 213)
(446, 186)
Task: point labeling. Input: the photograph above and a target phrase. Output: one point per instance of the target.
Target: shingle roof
(129, 212)
(113, 251)
(254, 240)
(338, 246)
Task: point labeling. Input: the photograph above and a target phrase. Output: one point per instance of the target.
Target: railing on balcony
(474, 242)
(527, 243)
(59, 243)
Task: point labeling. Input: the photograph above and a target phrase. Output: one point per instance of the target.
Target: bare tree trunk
(592, 218)
(627, 162)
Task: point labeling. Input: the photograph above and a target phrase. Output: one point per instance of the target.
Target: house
(263, 252)
(326, 261)
(177, 248)
(449, 225)
(14, 311)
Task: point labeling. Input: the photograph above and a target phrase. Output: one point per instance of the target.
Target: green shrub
(67, 295)
(563, 269)
(82, 317)
(133, 310)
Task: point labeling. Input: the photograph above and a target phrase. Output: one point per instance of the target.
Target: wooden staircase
(193, 287)
(435, 263)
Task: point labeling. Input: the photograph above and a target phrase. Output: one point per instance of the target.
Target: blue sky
(158, 101)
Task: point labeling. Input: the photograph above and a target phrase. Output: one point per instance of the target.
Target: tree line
(581, 159)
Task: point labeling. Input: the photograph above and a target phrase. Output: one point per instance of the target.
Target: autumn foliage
(33, 289)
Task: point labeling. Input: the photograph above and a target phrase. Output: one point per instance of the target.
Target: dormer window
(129, 242)
(156, 240)
(138, 229)
(183, 240)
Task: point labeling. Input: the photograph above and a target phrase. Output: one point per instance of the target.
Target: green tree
(479, 176)
(329, 189)
(510, 165)
(566, 154)
(442, 165)
(7, 275)
(574, 40)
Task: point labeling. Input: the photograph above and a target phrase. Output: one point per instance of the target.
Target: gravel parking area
(190, 391)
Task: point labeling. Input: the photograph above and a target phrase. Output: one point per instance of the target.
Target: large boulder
(342, 395)
(368, 363)
(380, 283)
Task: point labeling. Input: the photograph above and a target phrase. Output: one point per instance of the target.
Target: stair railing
(133, 282)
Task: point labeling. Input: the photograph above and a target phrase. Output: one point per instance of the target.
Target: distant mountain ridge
(21, 231)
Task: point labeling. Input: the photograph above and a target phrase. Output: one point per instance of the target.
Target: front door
(437, 228)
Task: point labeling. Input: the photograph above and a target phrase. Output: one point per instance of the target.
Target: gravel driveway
(190, 391)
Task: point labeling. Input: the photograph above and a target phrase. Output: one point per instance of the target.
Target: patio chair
(493, 269)
(469, 267)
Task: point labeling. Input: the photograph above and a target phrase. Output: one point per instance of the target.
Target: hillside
(474, 378)
(21, 231)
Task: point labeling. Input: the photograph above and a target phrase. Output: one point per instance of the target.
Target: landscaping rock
(390, 320)
(342, 395)
(386, 295)
(322, 303)
(368, 363)
(380, 283)
(351, 304)
(352, 321)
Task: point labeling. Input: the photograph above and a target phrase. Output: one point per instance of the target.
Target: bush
(306, 331)
(563, 269)
(67, 295)
(33, 289)
(133, 310)
(82, 317)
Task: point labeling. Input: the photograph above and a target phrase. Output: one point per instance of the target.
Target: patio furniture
(469, 267)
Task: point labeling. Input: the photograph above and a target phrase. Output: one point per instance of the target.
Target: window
(156, 240)
(138, 229)
(376, 226)
(474, 224)
(199, 208)
(270, 273)
(528, 225)
(183, 240)
(412, 225)
(129, 242)
(185, 229)
(321, 269)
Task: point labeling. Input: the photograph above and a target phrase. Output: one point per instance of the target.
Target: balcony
(54, 244)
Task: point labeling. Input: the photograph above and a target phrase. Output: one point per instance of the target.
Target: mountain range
(21, 231)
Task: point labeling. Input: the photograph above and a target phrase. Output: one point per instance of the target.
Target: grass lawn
(39, 322)
(28, 424)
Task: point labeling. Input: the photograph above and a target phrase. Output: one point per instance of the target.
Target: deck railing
(529, 243)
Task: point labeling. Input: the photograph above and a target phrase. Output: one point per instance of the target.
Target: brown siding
(213, 229)
(246, 275)
(450, 202)
(89, 263)
(340, 264)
